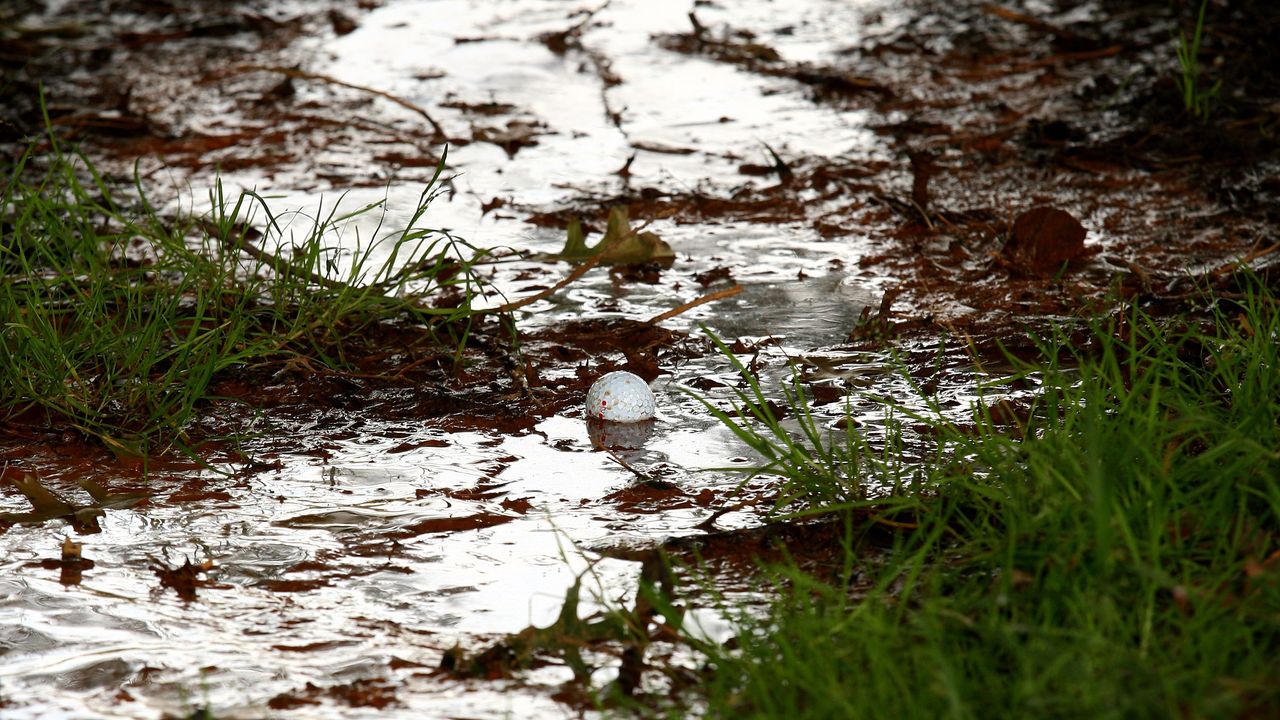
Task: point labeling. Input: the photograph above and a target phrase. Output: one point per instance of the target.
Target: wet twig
(642, 475)
(709, 523)
(241, 243)
(517, 304)
(440, 134)
(1235, 265)
(709, 297)
(1035, 23)
(571, 39)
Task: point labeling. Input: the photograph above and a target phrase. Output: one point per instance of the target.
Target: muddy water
(337, 579)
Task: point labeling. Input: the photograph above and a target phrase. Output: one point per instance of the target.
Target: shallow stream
(360, 550)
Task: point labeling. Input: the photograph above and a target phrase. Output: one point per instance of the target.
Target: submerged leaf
(104, 498)
(46, 505)
(43, 500)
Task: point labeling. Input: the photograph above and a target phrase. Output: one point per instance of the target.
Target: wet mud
(870, 187)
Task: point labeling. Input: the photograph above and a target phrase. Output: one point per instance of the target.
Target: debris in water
(184, 579)
(621, 244)
(71, 565)
(48, 505)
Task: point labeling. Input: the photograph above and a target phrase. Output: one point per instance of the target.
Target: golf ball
(620, 397)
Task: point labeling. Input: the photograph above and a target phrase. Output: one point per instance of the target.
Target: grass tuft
(1121, 559)
(115, 318)
(1196, 98)
(819, 468)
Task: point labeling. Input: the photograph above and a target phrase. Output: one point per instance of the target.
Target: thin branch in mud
(560, 42)
(709, 297)
(642, 475)
(1204, 281)
(386, 129)
(924, 215)
(709, 523)
(1065, 58)
(304, 75)
(563, 41)
(1143, 276)
(1235, 265)
(517, 304)
(241, 244)
(1034, 23)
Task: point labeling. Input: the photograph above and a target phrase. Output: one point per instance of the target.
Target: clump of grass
(819, 468)
(1123, 560)
(116, 318)
(1196, 98)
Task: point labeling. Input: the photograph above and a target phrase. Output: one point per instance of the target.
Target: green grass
(1196, 98)
(1120, 562)
(116, 318)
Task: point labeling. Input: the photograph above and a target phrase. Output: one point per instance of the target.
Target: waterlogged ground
(855, 168)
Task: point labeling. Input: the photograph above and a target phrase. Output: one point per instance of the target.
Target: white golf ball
(620, 397)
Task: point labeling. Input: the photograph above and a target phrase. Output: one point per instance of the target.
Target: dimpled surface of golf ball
(620, 397)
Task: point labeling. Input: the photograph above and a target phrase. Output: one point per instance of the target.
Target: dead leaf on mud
(41, 498)
(826, 394)
(776, 410)
(195, 490)
(651, 496)
(408, 446)
(1044, 240)
(517, 505)
(716, 274)
(343, 24)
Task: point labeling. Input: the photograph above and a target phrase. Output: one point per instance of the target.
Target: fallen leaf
(621, 245)
(1044, 239)
(47, 505)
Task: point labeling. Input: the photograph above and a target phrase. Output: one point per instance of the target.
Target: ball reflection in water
(619, 436)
